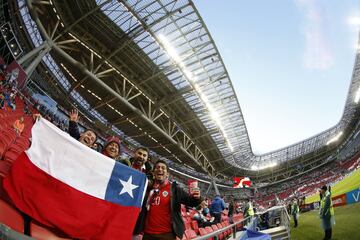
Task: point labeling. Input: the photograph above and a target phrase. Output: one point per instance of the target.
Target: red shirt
(158, 219)
(139, 168)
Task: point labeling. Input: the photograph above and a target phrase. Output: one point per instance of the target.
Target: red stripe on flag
(56, 204)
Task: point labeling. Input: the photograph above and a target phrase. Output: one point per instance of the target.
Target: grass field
(347, 225)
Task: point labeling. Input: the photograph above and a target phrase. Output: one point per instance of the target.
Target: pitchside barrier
(353, 196)
(340, 200)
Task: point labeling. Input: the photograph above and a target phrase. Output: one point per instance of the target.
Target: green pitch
(347, 225)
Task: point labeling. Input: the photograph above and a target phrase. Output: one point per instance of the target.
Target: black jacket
(74, 130)
(231, 209)
(178, 197)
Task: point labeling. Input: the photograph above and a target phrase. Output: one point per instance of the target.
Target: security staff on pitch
(326, 212)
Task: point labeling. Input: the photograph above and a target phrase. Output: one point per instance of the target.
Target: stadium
(109, 108)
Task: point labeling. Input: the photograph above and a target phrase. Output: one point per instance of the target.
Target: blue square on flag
(126, 186)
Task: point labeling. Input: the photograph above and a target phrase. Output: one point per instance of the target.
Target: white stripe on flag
(64, 158)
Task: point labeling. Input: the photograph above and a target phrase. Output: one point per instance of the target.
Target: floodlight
(357, 96)
(171, 51)
(334, 139)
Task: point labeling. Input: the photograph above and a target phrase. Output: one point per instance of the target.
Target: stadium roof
(150, 71)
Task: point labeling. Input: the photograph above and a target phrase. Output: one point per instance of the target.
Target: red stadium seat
(3, 147)
(187, 225)
(4, 168)
(195, 226)
(43, 233)
(11, 217)
(215, 228)
(190, 234)
(9, 136)
(11, 155)
(208, 230)
(202, 231)
(225, 224)
(22, 143)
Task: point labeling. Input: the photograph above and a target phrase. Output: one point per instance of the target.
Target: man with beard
(88, 137)
(140, 161)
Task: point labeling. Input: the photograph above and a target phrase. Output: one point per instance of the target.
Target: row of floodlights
(9, 37)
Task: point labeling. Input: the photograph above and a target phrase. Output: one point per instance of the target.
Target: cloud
(317, 53)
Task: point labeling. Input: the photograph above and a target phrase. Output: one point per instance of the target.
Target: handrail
(217, 232)
(233, 225)
(275, 208)
(284, 216)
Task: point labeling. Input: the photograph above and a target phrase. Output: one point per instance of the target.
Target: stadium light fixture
(171, 51)
(357, 96)
(270, 165)
(273, 164)
(334, 139)
(176, 57)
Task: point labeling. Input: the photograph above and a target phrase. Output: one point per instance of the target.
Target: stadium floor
(347, 225)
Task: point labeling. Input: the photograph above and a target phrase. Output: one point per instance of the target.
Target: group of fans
(160, 217)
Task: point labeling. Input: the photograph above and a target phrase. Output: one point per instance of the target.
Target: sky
(290, 63)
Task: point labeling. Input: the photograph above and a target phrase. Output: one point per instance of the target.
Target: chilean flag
(63, 184)
(241, 182)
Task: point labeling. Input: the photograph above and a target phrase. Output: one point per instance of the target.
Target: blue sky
(290, 63)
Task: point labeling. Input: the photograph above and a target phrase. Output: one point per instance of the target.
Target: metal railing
(217, 232)
(278, 217)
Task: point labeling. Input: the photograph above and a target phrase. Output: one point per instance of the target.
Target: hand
(203, 204)
(36, 116)
(74, 115)
(196, 193)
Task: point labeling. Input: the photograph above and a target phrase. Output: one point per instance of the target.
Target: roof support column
(31, 54)
(215, 186)
(41, 53)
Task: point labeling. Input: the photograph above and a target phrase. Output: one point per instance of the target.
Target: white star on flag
(128, 187)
